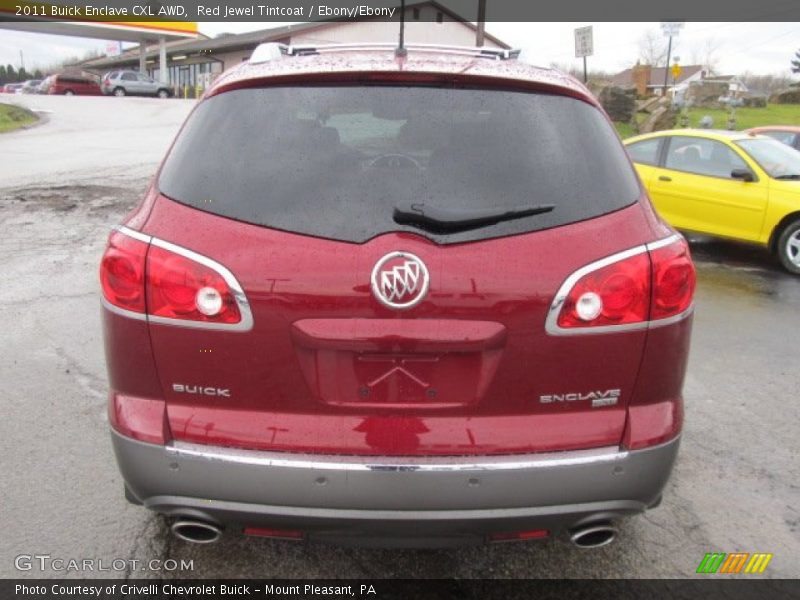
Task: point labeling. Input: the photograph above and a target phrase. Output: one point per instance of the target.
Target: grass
(773, 114)
(14, 117)
(624, 130)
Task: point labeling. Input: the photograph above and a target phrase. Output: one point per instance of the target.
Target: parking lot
(65, 182)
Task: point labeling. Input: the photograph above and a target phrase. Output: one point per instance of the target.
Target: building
(649, 80)
(195, 63)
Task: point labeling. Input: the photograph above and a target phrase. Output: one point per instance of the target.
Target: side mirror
(743, 174)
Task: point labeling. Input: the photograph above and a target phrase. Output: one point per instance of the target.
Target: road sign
(676, 70)
(671, 28)
(113, 48)
(584, 44)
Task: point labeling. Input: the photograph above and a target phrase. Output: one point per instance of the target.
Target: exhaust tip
(196, 532)
(594, 536)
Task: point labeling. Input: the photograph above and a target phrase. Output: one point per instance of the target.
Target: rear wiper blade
(449, 220)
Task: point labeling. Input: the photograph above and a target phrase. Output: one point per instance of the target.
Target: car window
(128, 77)
(702, 157)
(645, 152)
(144, 78)
(336, 161)
(777, 159)
(785, 137)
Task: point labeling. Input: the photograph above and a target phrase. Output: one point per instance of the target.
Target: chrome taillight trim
(130, 314)
(246, 322)
(551, 323)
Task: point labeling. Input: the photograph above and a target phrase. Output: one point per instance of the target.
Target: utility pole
(666, 67)
(479, 34)
(21, 61)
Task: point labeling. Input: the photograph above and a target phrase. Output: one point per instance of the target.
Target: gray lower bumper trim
(447, 493)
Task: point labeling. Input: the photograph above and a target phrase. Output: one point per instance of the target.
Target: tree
(796, 62)
(653, 48)
(38, 74)
(11, 74)
(3, 75)
(706, 55)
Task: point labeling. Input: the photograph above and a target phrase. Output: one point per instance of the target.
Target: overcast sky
(738, 47)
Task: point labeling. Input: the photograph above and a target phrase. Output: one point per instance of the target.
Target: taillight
(673, 280)
(616, 294)
(629, 290)
(122, 272)
(181, 288)
(170, 284)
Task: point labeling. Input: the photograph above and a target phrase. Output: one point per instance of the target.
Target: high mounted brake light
(148, 278)
(646, 286)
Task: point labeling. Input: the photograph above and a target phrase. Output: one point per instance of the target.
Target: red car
(73, 85)
(787, 134)
(405, 298)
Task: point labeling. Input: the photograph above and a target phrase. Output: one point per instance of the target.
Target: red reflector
(513, 536)
(286, 534)
(122, 272)
(142, 419)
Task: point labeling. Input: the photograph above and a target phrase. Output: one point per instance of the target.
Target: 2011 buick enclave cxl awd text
(405, 298)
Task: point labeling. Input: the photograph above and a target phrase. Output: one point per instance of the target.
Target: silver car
(30, 87)
(133, 83)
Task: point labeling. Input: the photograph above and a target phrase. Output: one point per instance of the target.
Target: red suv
(406, 298)
(73, 85)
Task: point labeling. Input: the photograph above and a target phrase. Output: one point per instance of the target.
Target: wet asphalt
(63, 184)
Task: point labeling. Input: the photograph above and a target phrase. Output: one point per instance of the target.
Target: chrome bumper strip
(397, 464)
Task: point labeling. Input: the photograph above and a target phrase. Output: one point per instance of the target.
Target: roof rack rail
(272, 51)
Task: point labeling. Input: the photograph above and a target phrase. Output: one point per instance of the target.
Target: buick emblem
(400, 280)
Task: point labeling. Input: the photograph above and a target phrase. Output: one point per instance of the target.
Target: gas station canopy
(122, 32)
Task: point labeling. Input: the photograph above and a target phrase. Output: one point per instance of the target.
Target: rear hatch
(399, 248)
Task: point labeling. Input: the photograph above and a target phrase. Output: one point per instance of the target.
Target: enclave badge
(400, 280)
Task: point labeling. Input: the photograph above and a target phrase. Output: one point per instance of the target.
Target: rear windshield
(335, 162)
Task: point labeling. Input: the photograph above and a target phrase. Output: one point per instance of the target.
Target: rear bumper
(442, 500)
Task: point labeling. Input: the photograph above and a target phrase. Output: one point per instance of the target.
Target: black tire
(119, 92)
(163, 93)
(788, 247)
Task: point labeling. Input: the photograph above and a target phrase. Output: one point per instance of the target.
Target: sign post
(584, 46)
(670, 29)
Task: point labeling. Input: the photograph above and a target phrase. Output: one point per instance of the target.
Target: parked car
(735, 185)
(44, 87)
(133, 83)
(420, 302)
(30, 87)
(786, 134)
(11, 88)
(74, 85)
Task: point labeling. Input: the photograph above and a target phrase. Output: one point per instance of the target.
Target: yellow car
(724, 183)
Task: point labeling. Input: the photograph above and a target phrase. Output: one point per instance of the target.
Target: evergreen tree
(11, 74)
(796, 62)
(3, 75)
(38, 74)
